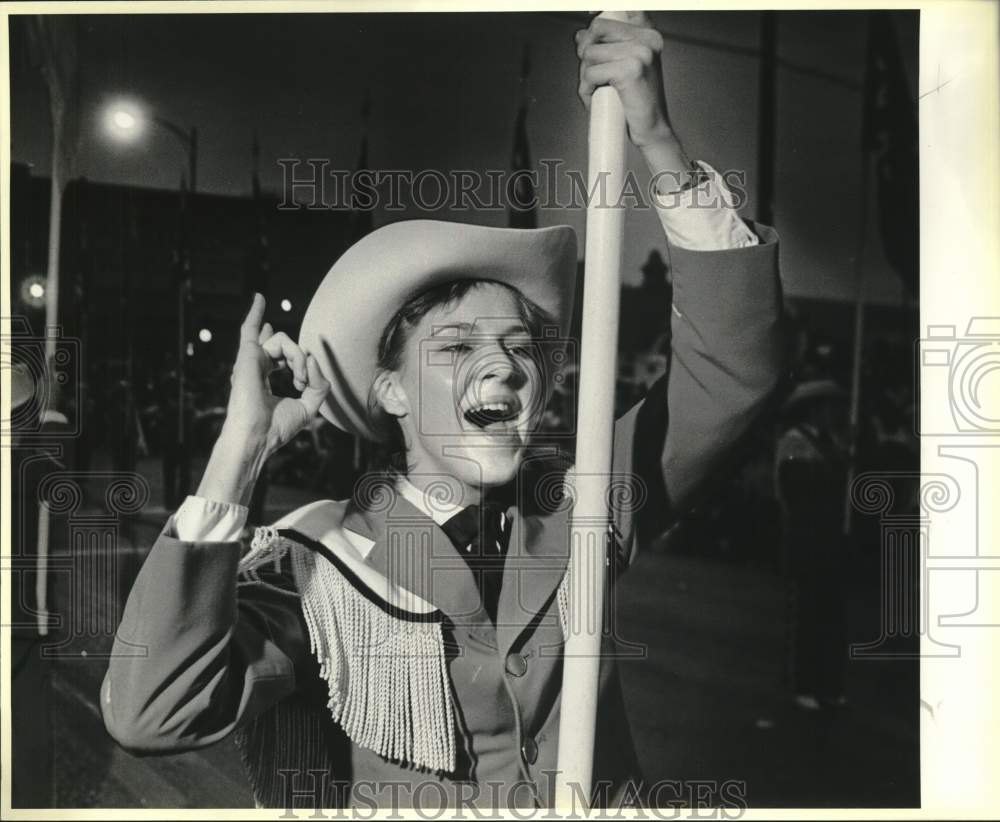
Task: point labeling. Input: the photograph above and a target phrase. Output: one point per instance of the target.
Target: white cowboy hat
(373, 279)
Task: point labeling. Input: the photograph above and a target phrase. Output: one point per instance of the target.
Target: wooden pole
(595, 416)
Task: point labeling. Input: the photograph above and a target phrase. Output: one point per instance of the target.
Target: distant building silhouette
(119, 273)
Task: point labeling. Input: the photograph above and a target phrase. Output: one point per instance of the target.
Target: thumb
(317, 388)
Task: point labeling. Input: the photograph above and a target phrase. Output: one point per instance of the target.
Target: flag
(520, 160)
(889, 132)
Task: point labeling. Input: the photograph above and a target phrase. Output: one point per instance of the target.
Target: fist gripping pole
(595, 422)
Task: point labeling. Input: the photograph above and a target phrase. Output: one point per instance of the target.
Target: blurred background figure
(811, 465)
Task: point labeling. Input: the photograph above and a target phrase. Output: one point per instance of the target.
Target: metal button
(529, 750)
(516, 665)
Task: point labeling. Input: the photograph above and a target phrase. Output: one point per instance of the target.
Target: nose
(499, 364)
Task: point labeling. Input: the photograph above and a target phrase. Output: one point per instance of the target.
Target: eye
(520, 348)
(457, 347)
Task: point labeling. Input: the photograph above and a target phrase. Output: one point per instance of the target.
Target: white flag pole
(595, 425)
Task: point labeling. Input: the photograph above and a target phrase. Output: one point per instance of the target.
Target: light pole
(126, 121)
(189, 140)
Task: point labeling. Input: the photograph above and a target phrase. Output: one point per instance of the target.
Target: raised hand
(254, 412)
(626, 56)
(258, 423)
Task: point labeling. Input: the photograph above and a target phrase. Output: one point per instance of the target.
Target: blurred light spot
(33, 291)
(124, 120)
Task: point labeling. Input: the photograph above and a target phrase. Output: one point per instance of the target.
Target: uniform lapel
(411, 551)
(537, 557)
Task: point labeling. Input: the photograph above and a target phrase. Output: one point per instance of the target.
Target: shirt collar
(441, 511)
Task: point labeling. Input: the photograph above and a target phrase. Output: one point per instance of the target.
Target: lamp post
(126, 121)
(189, 140)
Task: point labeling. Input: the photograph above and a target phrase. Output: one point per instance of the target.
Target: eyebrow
(449, 329)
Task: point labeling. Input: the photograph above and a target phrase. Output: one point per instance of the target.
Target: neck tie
(480, 537)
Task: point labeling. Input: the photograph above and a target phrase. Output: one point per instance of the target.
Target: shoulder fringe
(267, 548)
(387, 675)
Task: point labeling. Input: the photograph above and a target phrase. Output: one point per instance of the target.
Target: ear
(390, 394)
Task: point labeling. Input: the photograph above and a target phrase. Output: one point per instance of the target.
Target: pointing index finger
(250, 330)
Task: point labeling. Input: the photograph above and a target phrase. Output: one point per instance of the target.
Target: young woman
(403, 647)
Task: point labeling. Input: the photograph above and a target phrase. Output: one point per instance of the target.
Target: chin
(496, 474)
(489, 467)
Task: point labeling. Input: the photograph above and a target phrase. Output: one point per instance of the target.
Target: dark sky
(444, 93)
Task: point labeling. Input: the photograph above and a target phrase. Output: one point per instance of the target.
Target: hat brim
(374, 278)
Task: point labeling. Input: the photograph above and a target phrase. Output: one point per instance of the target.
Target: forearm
(668, 163)
(233, 467)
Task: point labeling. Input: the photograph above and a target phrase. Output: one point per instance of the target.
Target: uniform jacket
(222, 657)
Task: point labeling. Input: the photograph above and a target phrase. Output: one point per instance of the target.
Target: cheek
(534, 388)
(432, 392)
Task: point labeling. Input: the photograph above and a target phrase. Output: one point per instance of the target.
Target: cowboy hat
(375, 277)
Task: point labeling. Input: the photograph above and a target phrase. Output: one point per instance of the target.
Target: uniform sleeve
(726, 359)
(703, 217)
(196, 654)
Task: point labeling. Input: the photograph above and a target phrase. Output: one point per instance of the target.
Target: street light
(125, 121)
(33, 290)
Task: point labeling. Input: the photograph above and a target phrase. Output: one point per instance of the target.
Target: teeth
(490, 413)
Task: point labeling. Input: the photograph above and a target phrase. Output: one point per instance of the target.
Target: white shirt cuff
(205, 520)
(703, 217)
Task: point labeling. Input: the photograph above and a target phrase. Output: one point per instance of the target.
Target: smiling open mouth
(493, 413)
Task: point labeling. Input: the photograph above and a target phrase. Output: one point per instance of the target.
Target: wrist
(658, 134)
(233, 466)
(664, 154)
(248, 441)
